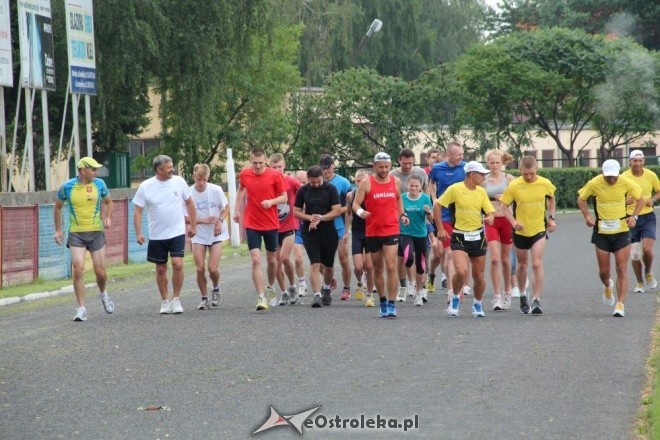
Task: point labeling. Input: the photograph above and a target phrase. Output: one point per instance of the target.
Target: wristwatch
(635, 217)
(551, 217)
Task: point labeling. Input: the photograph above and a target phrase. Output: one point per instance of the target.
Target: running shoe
(477, 310)
(536, 307)
(452, 310)
(619, 310)
(651, 282)
(293, 295)
(216, 297)
(359, 292)
(345, 294)
(515, 292)
(524, 305)
(466, 291)
(108, 305)
(411, 288)
(302, 290)
(443, 283)
(284, 298)
(326, 295)
(81, 315)
(262, 304)
(176, 306)
(333, 284)
(370, 301)
(506, 301)
(391, 310)
(204, 305)
(418, 298)
(165, 307)
(608, 294)
(639, 287)
(271, 296)
(383, 309)
(401, 296)
(497, 304)
(318, 302)
(430, 286)
(425, 295)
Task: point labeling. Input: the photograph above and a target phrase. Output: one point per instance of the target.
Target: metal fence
(28, 251)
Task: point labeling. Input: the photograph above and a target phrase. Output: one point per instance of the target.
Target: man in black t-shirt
(317, 205)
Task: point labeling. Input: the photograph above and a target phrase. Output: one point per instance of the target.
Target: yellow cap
(88, 162)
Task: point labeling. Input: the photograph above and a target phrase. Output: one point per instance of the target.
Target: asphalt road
(574, 372)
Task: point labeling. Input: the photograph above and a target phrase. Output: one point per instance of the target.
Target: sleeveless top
(357, 222)
(493, 189)
(381, 202)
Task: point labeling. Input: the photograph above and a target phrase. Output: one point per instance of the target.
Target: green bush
(569, 180)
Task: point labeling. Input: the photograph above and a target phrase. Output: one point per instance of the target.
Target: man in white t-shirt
(212, 208)
(162, 196)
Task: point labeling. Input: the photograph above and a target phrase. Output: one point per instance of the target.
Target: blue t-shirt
(343, 187)
(444, 176)
(414, 209)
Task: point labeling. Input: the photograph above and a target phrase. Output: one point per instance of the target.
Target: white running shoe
(302, 290)
(165, 307)
(401, 296)
(204, 305)
(411, 288)
(108, 305)
(81, 314)
(497, 304)
(515, 292)
(271, 296)
(467, 290)
(639, 287)
(216, 297)
(608, 294)
(506, 301)
(425, 294)
(418, 298)
(176, 306)
(651, 282)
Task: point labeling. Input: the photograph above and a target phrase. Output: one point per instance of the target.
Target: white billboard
(80, 42)
(6, 74)
(35, 28)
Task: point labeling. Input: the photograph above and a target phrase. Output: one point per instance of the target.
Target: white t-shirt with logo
(209, 202)
(163, 201)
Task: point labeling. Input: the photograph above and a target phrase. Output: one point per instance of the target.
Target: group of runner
(404, 223)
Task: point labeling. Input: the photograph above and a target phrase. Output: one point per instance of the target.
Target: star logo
(295, 420)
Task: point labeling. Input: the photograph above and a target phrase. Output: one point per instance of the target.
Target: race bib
(609, 225)
(472, 236)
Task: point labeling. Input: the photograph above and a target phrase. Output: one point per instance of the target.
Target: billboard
(80, 41)
(35, 28)
(6, 74)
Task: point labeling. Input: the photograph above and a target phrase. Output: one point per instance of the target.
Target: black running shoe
(317, 301)
(536, 307)
(326, 295)
(524, 305)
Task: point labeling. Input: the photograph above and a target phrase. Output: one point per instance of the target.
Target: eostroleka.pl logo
(304, 419)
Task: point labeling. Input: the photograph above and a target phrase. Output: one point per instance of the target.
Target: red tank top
(382, 203)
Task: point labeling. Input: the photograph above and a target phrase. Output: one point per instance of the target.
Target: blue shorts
(341, 232)
(158, 250)
(299, 239)
(254, 239)
(644, 228)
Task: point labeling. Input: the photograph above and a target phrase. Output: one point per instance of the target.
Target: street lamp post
(375, 27)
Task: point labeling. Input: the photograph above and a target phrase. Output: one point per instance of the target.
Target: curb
(39, 295)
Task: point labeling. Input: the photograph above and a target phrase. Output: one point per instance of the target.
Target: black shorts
(158, 250)
(282, 235)
(522, 242)
(321, 246)
(375, 244)
(358, 242)
(92, 241)
(610, 242)
(474, 248)
(254, 239)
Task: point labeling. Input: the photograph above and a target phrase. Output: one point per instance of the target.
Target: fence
(28, 251)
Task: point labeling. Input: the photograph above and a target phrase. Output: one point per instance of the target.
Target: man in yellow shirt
(642, 236)
(533, 196)
(611, 226)
(467, 201)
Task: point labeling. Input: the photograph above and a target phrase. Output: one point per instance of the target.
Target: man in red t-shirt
(384, 209)
(265, 189)
(286, 233)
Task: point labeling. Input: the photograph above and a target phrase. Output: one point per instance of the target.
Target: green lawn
(648, 426)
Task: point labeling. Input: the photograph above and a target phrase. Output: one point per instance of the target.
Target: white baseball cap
(611, 168)
(475, 167)
(382, 157)
(637, 154)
